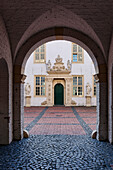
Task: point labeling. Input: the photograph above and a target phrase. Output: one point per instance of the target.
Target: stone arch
(64, 38)
(55, 17)
(59, 82)
(64, 33)
(61, 33)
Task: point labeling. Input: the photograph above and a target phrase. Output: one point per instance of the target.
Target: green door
(58, 94)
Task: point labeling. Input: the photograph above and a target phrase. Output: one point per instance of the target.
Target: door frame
(59, 81)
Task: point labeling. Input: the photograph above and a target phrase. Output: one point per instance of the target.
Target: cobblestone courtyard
(59, 139)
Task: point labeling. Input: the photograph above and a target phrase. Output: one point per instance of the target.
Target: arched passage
(61, 33)
(4, 103)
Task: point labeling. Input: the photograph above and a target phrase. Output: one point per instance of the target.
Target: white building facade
(60, 73)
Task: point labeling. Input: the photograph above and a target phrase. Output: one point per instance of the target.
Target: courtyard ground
(60, 120)
(59, 139)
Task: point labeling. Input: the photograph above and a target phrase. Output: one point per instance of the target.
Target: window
(39, 54)
(94, 86)
(77, 53)
(39, 86)
(78, 86)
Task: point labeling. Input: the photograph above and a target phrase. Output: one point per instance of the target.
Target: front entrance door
(58, 94)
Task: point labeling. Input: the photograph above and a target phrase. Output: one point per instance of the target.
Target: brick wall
(6, 76)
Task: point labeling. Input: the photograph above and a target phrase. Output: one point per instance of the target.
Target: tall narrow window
(94, 86)
(78, 86)
(39, 86)
(39, 54)
(77, 53)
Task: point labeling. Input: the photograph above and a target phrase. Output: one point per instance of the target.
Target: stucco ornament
(27, 89)
(48, 65)
(58, 67)
(88, 89)
(58, 59)
(69, 65)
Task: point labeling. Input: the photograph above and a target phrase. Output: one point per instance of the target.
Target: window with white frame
(77, 53)
(78, 86)
(39, 86)
(94, 86)
(39, 54)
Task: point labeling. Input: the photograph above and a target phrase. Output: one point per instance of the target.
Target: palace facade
(60, 73)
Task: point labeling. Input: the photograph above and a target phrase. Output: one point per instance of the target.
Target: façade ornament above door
(58, 67)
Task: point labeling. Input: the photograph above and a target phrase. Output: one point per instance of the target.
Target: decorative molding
(73, 102)
(19, 78)
(69, 80)
(88, 100)
(44, 103)
(88, 89)
(59, 67)
(96, 76)
(27, 89)
(23, 77)
(69, 65)
(48, 66)
(27, 101)
(58, 60)
(48, 79)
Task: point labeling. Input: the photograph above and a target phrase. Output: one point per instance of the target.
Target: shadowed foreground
(59, 139)
(57, 152)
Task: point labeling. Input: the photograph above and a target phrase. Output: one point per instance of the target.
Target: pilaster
(18, 125)
(68, 90)
(49, 91)
(102, 115)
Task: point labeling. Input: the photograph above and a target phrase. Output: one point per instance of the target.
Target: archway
(58, 94)
(4, 105)
(94, 51)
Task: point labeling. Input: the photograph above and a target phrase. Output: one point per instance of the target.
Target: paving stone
(58, 151)
(80, 152)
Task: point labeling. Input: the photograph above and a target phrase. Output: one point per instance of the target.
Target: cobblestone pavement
(58, 151)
